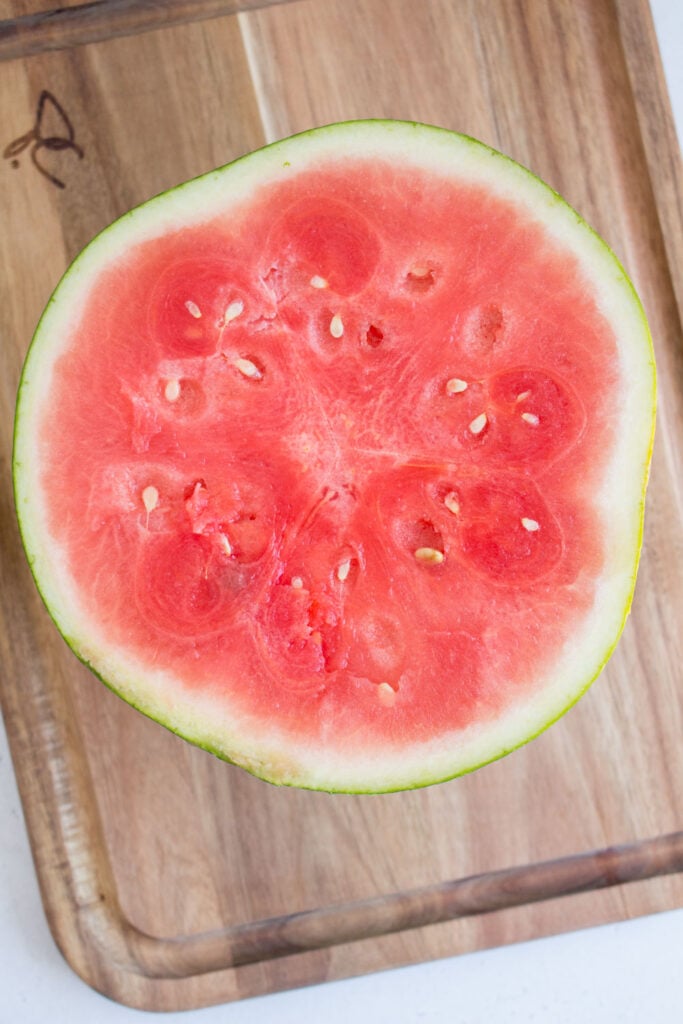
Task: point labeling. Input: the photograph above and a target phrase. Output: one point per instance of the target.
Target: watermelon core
(333, 460)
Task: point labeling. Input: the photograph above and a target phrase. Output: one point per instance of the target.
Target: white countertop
(631, 972)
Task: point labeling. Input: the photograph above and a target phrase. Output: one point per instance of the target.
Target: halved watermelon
(333, 461)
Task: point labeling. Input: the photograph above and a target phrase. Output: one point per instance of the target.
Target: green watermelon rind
(272, 757)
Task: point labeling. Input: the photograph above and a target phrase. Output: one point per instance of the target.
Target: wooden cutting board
(170, 879)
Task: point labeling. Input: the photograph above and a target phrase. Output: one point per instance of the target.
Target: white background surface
(627, 973)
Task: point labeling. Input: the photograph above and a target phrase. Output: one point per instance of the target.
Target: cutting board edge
(124, 951)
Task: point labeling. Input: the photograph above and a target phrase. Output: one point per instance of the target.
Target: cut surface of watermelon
(333, 461)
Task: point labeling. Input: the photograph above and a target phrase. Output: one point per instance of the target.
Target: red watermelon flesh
(328, 464)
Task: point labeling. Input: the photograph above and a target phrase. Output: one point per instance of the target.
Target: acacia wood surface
(158, 863)
(35, 26)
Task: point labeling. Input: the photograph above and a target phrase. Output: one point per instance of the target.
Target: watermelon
(333, 460)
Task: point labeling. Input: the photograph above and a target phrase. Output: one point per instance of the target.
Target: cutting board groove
(75, 24)
(173, 880)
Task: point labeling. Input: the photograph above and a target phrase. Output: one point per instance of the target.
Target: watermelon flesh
(341, 459)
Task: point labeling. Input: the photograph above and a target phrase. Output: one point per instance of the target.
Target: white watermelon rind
(257, 745)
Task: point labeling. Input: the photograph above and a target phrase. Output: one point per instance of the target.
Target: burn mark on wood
(38, 141)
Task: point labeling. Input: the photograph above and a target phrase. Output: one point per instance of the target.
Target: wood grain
(37, 27)
(161, 867)
(11, 9)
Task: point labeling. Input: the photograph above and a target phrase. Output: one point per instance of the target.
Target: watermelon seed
(455, 386)
(522, 395)
(336, 326)
(225, 544)
(248, 369)
(297, 582)
(530, 417)
(343, 570)
(530, 524)
(193, 309)
(233, 311)
(150, 498)
(478, 423)
(194, 490)
(386, 693)
(318, 282)
(421, 278)
(432, 556)
(452, 503)
(172, 390)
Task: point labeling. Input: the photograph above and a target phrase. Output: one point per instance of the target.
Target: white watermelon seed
(478, 423)
(193, 309)
(530, 524)
(336, 326)
(530, 417)
(225, 544)
(233, 310)
(455, 386)
(343, 570)
(419, 271)
(150, 498)
(522, 395)
(172, 390)
(248, 369)
(452, 503)
(431, 556)
(297, 582)
(318, 282)
(386, 694)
